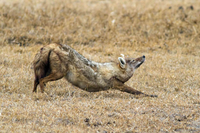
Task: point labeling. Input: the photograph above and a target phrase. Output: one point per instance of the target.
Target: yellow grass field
(167, 32)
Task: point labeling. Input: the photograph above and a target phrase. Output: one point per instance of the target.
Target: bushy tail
(41, 65)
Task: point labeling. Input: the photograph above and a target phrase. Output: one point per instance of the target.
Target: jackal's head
(127, 67)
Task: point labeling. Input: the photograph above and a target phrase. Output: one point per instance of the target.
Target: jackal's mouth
(140, 63)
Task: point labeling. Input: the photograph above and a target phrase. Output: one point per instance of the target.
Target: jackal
(56, 61)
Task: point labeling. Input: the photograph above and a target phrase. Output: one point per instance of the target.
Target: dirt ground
(166, 32)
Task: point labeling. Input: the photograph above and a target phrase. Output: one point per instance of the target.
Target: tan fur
(56, 61)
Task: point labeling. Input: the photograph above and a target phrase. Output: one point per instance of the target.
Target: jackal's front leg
(124, 88)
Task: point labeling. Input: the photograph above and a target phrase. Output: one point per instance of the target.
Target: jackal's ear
(122, 62)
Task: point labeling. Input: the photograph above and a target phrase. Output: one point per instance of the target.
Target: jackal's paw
(146, 95)
(153, 95)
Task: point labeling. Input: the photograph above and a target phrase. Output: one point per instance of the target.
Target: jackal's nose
(143, 56)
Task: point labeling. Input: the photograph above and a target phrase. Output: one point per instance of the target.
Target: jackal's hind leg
(51, 77)
(36, 82)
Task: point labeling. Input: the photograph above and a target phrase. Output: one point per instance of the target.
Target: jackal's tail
(41, 65)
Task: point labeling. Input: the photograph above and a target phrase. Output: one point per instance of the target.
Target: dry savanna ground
(166, 31)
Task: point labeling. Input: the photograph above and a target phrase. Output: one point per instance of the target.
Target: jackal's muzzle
(139, 61)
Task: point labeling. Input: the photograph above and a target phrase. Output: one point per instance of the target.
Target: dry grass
(167, 32)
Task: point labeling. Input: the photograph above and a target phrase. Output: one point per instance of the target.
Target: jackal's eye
(133, 61)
